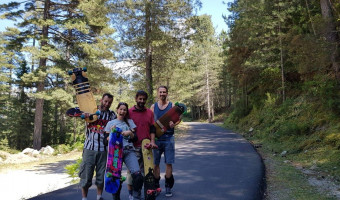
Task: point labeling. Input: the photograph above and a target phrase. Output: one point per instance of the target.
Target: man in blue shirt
(166, 143)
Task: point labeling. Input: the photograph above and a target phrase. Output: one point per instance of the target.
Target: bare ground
(24, 176)
(326, 185)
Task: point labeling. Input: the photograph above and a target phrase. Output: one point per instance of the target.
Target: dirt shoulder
(23, 177)
(287, 180)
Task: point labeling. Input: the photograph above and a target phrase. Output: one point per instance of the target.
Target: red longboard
(162, 124)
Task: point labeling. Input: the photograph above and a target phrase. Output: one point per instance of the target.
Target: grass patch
(181, 130)
(45, 159)
(306, 129)
(285, 182)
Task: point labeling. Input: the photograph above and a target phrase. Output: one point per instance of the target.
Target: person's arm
(153, 136)
(152, 108)
(152, 129)
(134, 138)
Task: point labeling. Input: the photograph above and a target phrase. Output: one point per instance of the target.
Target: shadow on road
(211, 163)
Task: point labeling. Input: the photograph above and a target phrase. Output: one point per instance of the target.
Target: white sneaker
(168, 192)
(130, 197)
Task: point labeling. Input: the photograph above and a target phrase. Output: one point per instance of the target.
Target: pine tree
(56, 35)
(148, 29)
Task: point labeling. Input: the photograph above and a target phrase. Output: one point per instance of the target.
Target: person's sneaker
(157, 193)
(168, 192)
(130, 197)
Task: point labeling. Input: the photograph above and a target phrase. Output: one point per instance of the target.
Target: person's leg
(168, 170)
(100, 172)
(138, 152)
(129, 184)
(169, 157)
(84, 192)
(86, 171)
(131, 163)
(157, 154)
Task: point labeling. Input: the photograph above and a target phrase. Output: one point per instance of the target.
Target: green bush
(73, 169)
(62, 149)
(78, 146)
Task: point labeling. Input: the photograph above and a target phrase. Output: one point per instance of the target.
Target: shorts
(166, 146)
(92, 160)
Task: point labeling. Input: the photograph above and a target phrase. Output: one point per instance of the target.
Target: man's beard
(103, 108)
(162, 98)
(141, 105)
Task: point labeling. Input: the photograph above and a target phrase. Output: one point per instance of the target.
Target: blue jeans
(130, 160)
(165, 145)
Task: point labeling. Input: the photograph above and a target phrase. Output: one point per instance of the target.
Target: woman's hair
(127, 116)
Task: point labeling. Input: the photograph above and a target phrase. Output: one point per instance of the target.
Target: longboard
(162, 124)
(114, 161)
(150, 189)
(84, 95)
(76, 112)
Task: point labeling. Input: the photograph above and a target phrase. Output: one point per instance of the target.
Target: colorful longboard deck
(114, 161)
(162, 124)
(84, 95)
(150, 189)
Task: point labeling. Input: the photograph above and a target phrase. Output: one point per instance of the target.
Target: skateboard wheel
(159, 190)
(70, 72)
(98, 112)
(84, 69)
(149, 192)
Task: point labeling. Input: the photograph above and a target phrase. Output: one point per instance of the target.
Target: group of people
(136, 124)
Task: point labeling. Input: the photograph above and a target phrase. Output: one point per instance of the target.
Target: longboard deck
(84, 95)
(114, 162)
(149, 178)
(162, 124)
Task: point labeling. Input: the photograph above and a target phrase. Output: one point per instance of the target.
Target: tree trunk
(39, 104)
(212, 109)
(310, 18)
(331, 34)
(208, 90)
(39, 108)
(282, 67)
(148, 54)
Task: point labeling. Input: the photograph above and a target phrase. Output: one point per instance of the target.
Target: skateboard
(162, 124)
(76, 112)
(114, 162)
(150, 189)
(84, 95)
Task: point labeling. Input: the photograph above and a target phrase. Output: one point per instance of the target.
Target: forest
(276, 69)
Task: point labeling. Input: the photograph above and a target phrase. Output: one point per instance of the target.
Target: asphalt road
(212, 163)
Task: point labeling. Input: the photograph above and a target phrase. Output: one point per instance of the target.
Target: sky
(215, 8)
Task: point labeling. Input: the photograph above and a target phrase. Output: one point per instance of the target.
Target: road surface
(212, 163)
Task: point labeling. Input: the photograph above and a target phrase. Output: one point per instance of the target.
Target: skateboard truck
(109, 175)
(117, 130)
(91, 115)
